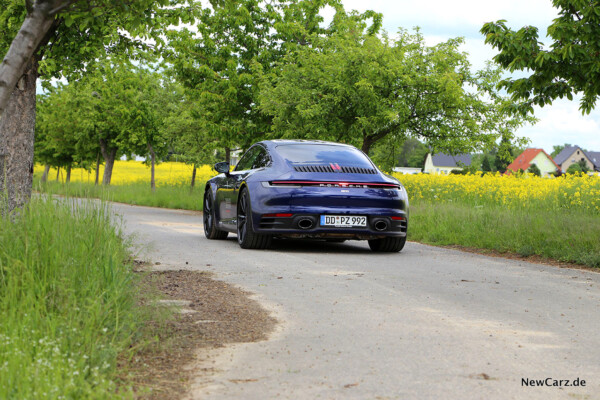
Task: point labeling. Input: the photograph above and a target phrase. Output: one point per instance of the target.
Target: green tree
(221, 65)
(557, 149)
(486, 165)
(62, 138)
(64, 38)
(570, 65)
(583, 165)
(505, 154)
(360, 88)
(534, 169)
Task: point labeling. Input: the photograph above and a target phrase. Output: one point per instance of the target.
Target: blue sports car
(305, 189)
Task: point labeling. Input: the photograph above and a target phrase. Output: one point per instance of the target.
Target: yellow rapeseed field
(127, 172)
(575, 192)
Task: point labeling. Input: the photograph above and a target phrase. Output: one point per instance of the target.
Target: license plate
(343, 220)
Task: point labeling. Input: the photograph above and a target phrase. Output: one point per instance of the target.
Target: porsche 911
(305, 189)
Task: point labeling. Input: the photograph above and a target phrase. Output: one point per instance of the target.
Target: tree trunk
(57, 173)
(109, 154)
(193, 177)
(45, 175)
(227, 154)
(366, 146)
(97, 168)
(153, 162)
(68, 179)
(17, 128)
(17, 61)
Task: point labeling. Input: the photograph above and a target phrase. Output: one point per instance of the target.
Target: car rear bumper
(308, 225)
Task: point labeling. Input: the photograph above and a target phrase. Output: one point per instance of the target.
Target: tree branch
(34, 28)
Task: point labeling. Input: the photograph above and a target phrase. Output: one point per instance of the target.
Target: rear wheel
(388, 244)
(209, 219)
(247, 238)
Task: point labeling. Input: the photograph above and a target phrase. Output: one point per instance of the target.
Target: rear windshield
(323, 154)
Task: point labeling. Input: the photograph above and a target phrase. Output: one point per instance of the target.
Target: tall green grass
(178, 197)
(568, 236)
(67, 302)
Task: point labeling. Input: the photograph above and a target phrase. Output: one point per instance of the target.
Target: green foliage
(570, 65)
(67, 302)
(87, 32)
(574, 169)
(557, 149)
(486, 165)
(534, 169)
(360, 88)
(125, 107)
(584, 167)
(63, 136)
(505, 154)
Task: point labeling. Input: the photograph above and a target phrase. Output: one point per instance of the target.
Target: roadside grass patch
(568, 236)
(177, 196)
(67, 302)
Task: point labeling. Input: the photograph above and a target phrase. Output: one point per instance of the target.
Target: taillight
(278, 215)
(363, 185)
(395, 218)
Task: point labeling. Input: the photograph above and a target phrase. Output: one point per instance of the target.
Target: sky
(439, 20)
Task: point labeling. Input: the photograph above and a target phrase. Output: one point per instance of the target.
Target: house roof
(523, 161)
(564, 154)
(594, 157)
(446, 160)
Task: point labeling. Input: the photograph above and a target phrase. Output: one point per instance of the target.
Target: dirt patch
(209, 314)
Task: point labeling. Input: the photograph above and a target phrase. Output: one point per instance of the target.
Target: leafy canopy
(359, 87)
(570, 65)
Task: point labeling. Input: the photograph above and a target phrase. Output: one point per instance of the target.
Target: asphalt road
(427, 323)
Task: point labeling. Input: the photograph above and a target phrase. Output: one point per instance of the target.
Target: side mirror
(222, 167)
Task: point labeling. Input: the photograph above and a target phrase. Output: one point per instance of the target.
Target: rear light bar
(396, 218)
(278, 215)
(337, 184)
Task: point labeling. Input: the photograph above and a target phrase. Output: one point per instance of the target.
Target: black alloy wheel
(387, 244)
(247, 238)
(209, 219)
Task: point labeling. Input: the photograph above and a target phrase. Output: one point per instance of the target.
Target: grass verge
(67, 302)
(570, 237)
(173, 196)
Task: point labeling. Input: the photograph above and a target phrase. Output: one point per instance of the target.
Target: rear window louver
(339, 169)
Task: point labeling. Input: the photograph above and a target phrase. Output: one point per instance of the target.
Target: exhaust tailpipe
(305, 223)
(381, 225)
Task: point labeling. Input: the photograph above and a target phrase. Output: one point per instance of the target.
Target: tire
(388, 244)
(210, 220)
(247, 238)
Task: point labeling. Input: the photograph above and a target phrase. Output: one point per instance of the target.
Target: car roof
(280, 142)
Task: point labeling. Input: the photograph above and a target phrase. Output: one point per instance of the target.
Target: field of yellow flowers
(133, 172)
(570, 192)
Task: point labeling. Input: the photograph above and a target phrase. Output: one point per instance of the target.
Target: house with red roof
(538, 157)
